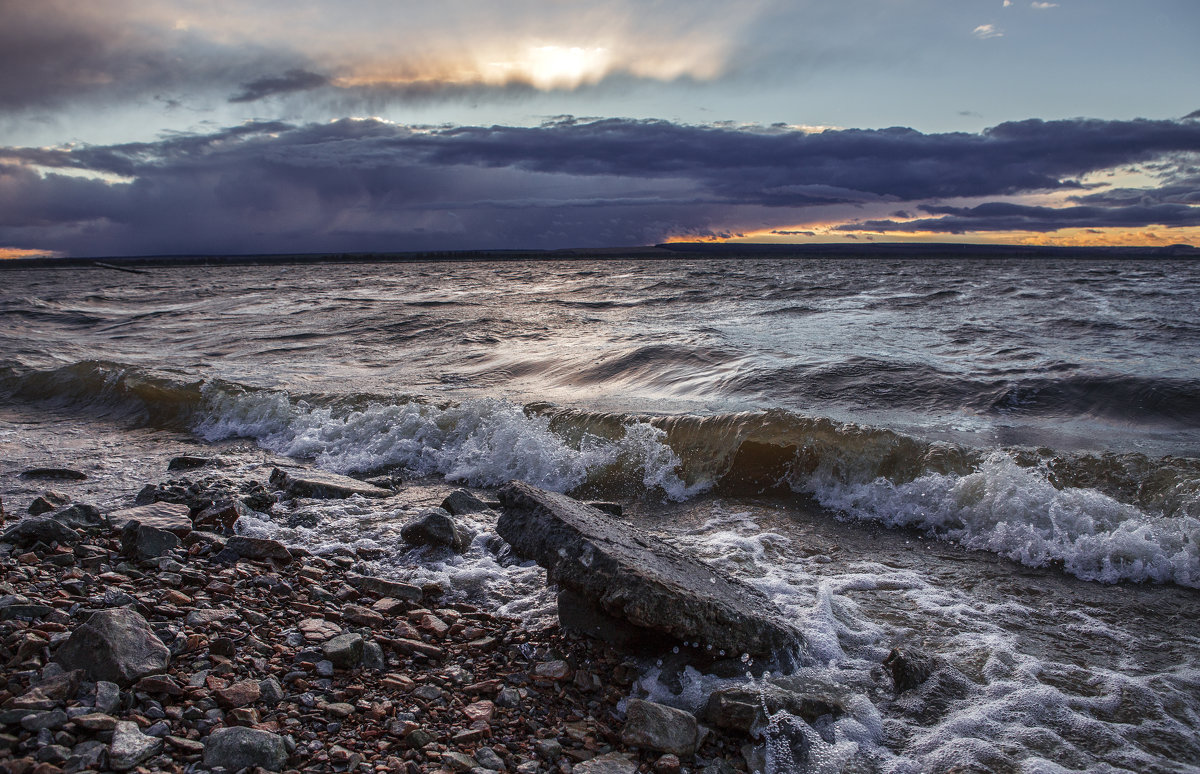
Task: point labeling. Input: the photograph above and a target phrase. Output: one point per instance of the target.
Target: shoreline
(432, 684)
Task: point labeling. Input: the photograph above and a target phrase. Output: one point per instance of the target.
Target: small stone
(459, 762)
(390, 606)
(130, 747)
(185, 745)
(461, 501)
(488, 758)
(384, 588)
(363, 616)
(146, 542)
(340, 709)
(238, 747)
(80, 516)
(239, 694)
(427, 692)
(908, 668)
(612, 763)
(318, 629)
(345, 650)
(480, 711)
(95, 721)
(51, 719)
(418, 738)
(86, 756)
(158, 684)
(552, 670)
(62, 474)
(667, 764)
(187, 462)
(270, 692)
(372, 657)
(548, 750)
(108, 697)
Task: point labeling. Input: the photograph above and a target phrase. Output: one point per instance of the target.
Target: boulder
(39, 529)
(461, 501)
(638, 578)
(576, 614)
(115, 645)
(172, 517)
(320, 485)
(745, 708)
(435, 527)
(80, 516)
(660, 728)
(130, 746)
(258, 548)
(237, 748)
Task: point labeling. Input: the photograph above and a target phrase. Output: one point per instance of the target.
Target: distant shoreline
(676, 250)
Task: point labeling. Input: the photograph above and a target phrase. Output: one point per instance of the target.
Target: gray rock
(36, 721)
(130, 746)
(909, 668)
(39, 529)
(173, 517)
(435, 527)
(258, 548)
(384, 588)
(461, 501)
(116, 645)
(321, 485)
(108, 697)
(741, 708)
(549, 750)
(270, 692)
(459, 761)
(187, 462)
(145, 542)
(612, 763)
(576, 614)
(222, 516)
(372, 657)
(638, 578)
(48, 501)
(86, 756)
(62, 474)
(661, 728)
(80, 516)
(344, 650)
(488, 758)
(237, 748)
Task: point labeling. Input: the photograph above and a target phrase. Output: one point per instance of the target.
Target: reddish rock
(239, 694)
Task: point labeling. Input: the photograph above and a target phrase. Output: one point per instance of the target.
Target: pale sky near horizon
(181, 126)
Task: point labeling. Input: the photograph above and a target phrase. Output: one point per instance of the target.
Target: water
(959, 456)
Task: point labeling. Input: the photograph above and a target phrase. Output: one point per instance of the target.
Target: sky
(152, 127)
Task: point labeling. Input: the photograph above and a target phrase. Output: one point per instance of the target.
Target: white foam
(482, 442)
(1016, 512)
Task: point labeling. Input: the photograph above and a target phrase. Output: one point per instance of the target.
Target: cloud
(353, 185)
(986, 31)
(292, 80)
(1042, 6)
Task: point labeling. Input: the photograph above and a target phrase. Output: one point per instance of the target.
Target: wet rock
(660, 728)
(384, 588)
(576, 614)
(321, 485)
(172, 517)
(145, 542)
(258, 548)
(130, 747)
(49, 500)
(115, 645)
(612, 509)
(39, 529)
(237, 748)
(461, 501)
(187, 462)
(61, 474)
(667, 764)
(909, 668)
(636, 577)
(435, 527)
(612, 763)
(345, 650)
(80, 516)
(222, 516)
(741, 707)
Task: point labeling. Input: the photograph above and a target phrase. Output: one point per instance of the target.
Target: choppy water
(954, 454)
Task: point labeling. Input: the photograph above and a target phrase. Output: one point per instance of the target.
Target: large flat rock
(321, 485)
(638, 578)
(171, 517)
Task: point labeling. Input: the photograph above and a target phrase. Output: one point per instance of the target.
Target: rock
(576, 614)
(549, 750)
(667, 764)
(80, 516)
(39, 529)
(187, 462)
(115, 645)
(372, 657)
(258, 548)
(344, 650)
(909, 668)
(145, 542)
(660, 728)
(488, 758)
(239, 694)
(612, 509)
(384, 588)
(61, 474)
(95, 722)
(459, 762)
(172, 517)
(270, 692)
(222, 516)
(318, 629)
(48, 501)
(638, 578)
(237, 748)
(108, 697)
(51, 719)
(612, 763)
(741, 707)
(435, 527)
(461, 501)
(321, 485)
(130, 746)
(86, 756)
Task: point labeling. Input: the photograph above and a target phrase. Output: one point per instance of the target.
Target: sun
(554, 67)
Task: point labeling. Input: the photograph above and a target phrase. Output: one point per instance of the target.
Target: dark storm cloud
(371, 185)
(291, 81)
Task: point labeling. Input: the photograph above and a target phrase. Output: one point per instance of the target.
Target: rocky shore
(156, 638)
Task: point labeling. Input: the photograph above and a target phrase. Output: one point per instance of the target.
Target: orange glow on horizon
(824, 233)
(8, 253)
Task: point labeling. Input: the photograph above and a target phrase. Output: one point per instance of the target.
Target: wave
(1106, 517)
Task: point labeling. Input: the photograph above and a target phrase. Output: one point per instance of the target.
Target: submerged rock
(745, 708)
(172, 517)
(909, 668)
(435, 527)
(321, 485)
(187, 462)
(62, 474)
(116, 645)
(638, 578)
